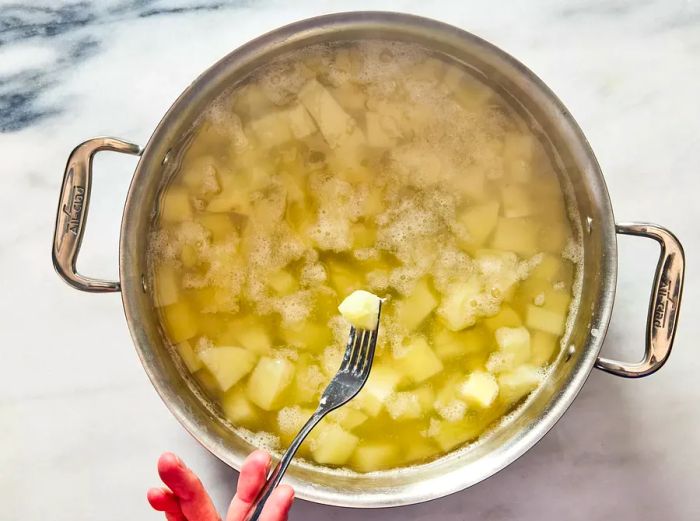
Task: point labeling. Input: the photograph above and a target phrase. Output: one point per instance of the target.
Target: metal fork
(350, 378)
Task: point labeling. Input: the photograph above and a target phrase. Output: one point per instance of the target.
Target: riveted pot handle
(73, 209)
(664, 304)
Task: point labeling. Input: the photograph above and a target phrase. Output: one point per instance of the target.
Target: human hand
(185, 499)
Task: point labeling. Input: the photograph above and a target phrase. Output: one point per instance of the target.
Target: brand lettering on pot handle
(664, 303)
(73, 210)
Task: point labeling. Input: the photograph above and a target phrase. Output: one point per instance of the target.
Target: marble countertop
(81, 426)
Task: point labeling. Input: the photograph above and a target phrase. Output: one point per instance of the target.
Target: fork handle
(276, 475)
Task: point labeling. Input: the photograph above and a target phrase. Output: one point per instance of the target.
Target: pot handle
(664, 304)
(73, 209)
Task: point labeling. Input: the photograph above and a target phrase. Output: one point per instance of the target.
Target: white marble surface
(81, 427)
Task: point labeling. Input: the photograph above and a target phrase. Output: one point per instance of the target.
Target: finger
(163, 500)
(278, 505)
(172, 516)
(194, 501)
(250, 482)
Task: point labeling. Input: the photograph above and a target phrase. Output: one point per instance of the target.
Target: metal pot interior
(592, 213)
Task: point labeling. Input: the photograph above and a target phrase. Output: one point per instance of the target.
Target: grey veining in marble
(81, 427)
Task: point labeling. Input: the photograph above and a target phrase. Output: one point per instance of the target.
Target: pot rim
(132, 282)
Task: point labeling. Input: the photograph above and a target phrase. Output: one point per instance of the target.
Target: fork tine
(345, 364)
(357, 349)
(370, 352)
(372, 344)
(359, 355)
(368, 346)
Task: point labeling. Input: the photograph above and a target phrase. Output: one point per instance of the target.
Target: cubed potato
(404, 406)
(518, 201)
(167, 285)
(361, 309)
(199, 174)
(270, 208)
(175, 205)
(219, 226)
(465, 88)
(282, 282)
(293, 176)
(472, 183)
(331, 358)
(447, 402)
(419, 451)
(554, 234)
(499, 362)
(549, 268)
(382, 382)
(514, 342)
(480, 389)
(414, 309)
(519, 382)
(227, 364)
(231, 199)
(343, 277)
(506, 317)
(480, 221)
(500, 273)
(211, 325)
(254, 337)
(336, 125)
(517, 234)
(545, 320)
(251, 101)
(309, 381)
(450, 435)
(557, 301)
(307, 335)
(518, 151)
(431, 70)
(189, 357)
(425, 396)
(180, 321)
(519, 145)
(212, 299)
(350, 96)
(272, 129)
(373, 456)
(346, 159)
(239, 410)
(458, 305)
(348, 417)
(333, 445)
(534, 290)
(300, 121)
(417, 361)
(453, 344)
(189, 256)
(381, 129)
(290, 420)
(542, 293)
(519, 170)
(270, 378)
(543, 346)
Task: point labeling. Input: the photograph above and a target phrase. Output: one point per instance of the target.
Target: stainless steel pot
(578, 168)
